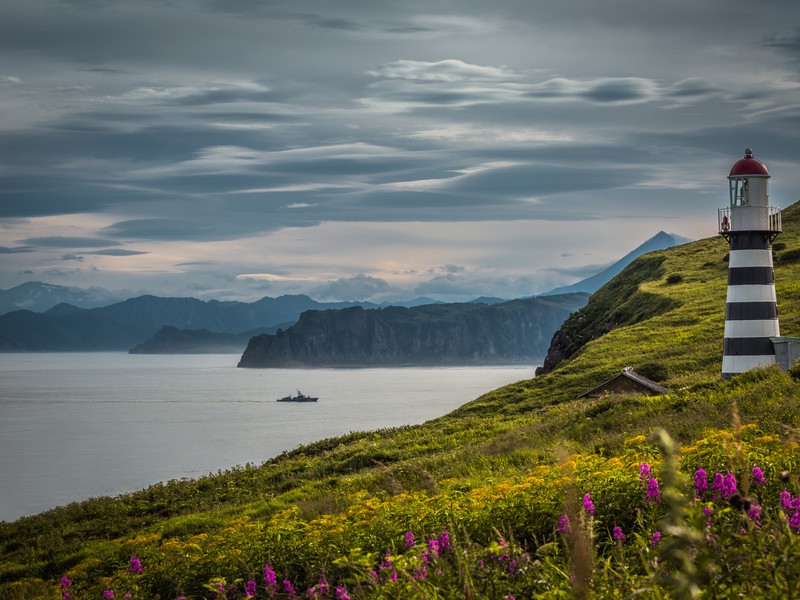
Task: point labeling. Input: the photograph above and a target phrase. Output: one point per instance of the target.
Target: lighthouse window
(740, 194)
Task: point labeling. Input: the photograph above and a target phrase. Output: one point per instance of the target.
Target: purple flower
(618, 535)
(729, 485)
(758, 476)
(653, 493)
(563, 524)
(718, 484)
(655, 538)
(433, 547)
(270, 581)
(644, 471)
(755, 513)
(444, 541)
(65, 583)
(588, 505)
(341, 594)
(250, 588)
(700, 482)
(108, 594)
(135, 565)
(287, 588)
(409, 539)
(794, 522)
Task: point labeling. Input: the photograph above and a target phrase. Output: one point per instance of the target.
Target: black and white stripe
(751, 310)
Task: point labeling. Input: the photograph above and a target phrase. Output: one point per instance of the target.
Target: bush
(674, 278)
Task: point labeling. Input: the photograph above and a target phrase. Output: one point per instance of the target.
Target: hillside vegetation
(525, 492)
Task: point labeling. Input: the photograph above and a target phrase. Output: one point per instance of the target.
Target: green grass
(663, 314)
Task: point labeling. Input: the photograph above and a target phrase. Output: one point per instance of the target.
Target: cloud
(68, 242)
(359, 286)
(17, 250)
(442, 71)
(8, 80)
(116, 252)
(74, 257)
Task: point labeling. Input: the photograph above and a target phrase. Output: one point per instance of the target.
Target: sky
(365, 149)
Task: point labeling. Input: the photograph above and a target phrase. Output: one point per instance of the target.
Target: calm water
(76, 425)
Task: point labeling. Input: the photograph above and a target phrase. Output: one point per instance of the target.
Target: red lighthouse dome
(749, 166)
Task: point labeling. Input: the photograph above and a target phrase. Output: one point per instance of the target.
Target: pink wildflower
(653, 492)
(644, 472)
(433, 547)
(700, 482)
(758, 476)
(409, 539)
(135, 565)
(755, 513)
(444, 541)
(563, 524)
(250, 588)
(655, 538)
(287, 588)
(341, 594)
(588, 505)
(618, 535)
(108, 594)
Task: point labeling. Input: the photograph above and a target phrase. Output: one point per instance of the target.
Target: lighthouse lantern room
(749, 224)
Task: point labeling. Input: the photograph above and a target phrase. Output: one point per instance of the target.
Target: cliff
(444, 334)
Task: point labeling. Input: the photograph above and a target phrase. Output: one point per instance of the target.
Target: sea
(79, 425)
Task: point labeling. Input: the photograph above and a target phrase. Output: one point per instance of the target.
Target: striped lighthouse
(749, 225)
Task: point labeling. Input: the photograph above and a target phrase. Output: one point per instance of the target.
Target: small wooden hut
(627, 382)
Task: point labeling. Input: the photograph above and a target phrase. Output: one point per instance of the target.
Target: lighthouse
(749, 224)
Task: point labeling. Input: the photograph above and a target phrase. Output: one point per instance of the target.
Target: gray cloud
(358, 287)
(71, 257)
(68, 242)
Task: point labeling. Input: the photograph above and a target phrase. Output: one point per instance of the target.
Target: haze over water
(78, 425)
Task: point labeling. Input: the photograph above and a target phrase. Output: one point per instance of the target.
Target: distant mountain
(123, 325)
(39, 297)
(590, 285)
(171, 340)
(518, 331)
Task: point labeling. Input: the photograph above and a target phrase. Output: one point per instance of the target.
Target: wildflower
(341, 594)
(653, 493)
(728, 485)
(618, 535)
(655, 538)
(250, 588)
(135, 565)
(409, 539)
(758, 476)
(717, 485)
(287, 588)
(786, 499)
(66, 584)
(588, 505)
(444, 541)
(644, 472)
(700, 482)
(108, 594)
(754, 514)
(323, 585)
(270, 583)
(433, 547)
(563, 524)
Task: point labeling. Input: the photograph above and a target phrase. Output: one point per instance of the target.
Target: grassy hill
(476, 503)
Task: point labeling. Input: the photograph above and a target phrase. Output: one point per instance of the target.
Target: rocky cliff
(444, 334)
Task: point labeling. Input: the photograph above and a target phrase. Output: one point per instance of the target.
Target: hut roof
(647, 384)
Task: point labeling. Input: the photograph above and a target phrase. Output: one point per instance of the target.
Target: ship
(300, 397)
